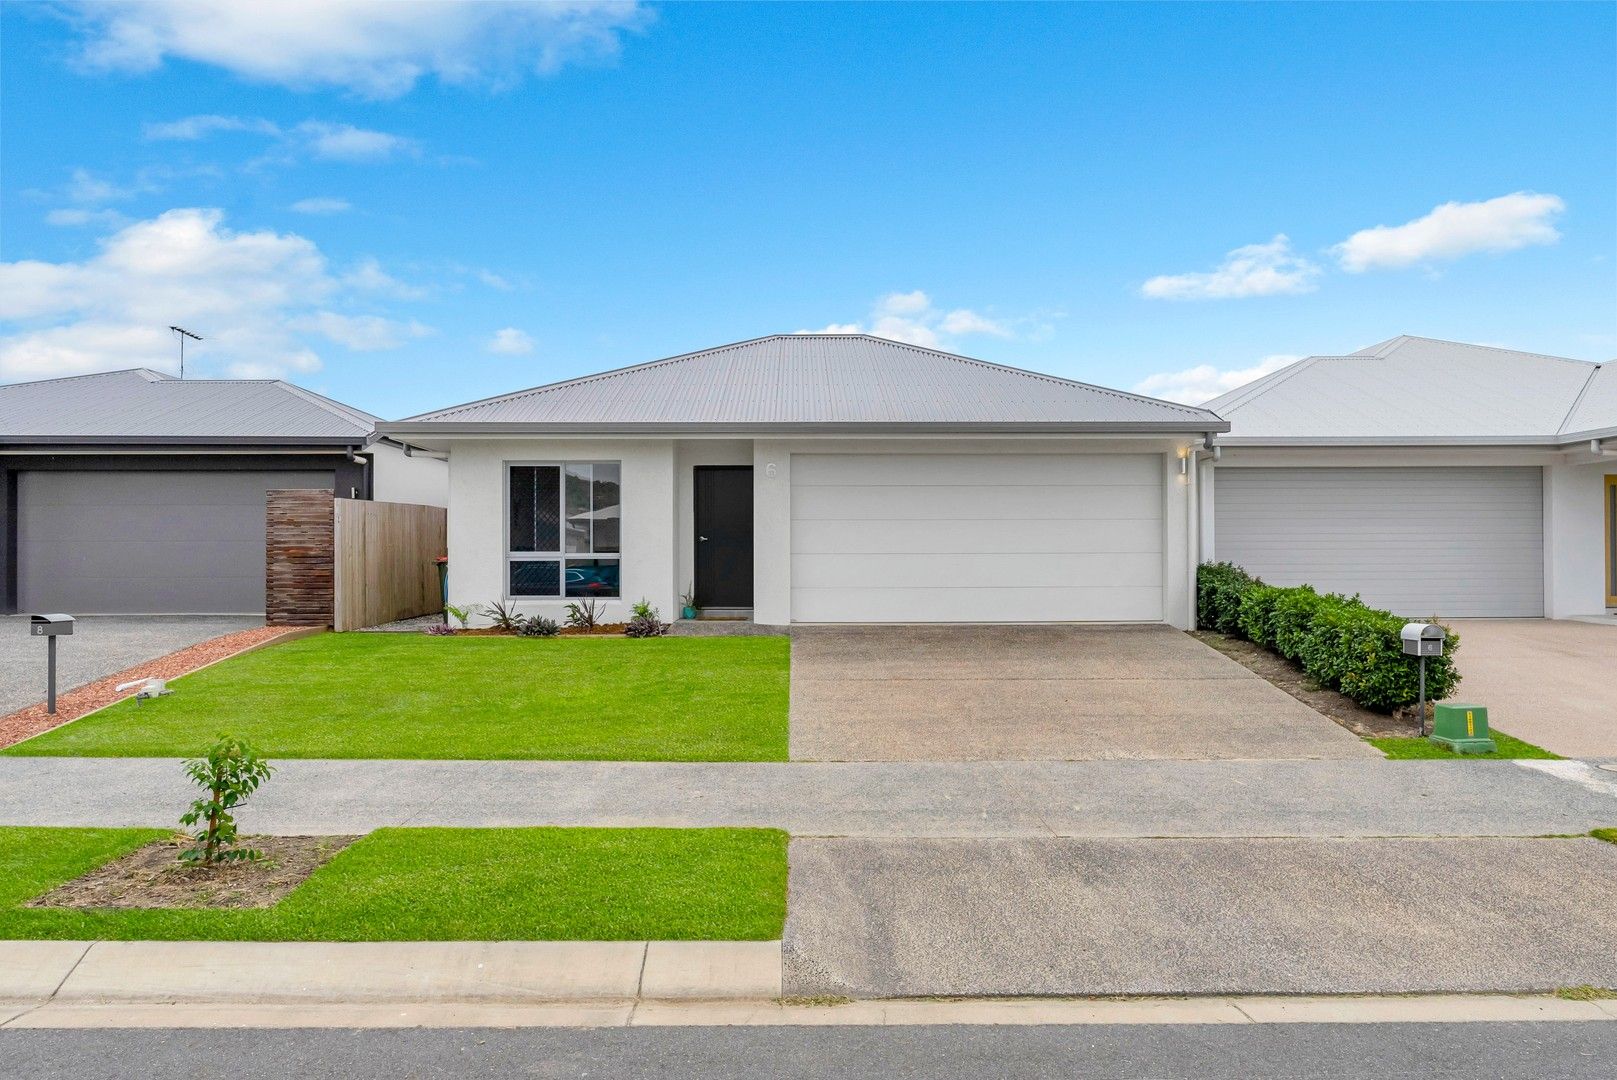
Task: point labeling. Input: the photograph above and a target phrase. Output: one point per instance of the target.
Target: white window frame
(559, 557)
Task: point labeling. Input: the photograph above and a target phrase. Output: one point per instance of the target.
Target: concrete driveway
(879, 918)
(101, 645)
(1551, 682)
(964, 693)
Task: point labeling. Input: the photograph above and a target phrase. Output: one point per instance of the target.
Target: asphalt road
(1566, 1051)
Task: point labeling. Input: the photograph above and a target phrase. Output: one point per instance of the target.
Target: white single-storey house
(1430, 477)
(825, 478)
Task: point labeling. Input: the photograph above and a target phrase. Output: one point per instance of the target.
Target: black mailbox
(50, 625)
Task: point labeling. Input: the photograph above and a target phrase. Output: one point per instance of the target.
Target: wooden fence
(349, 563)
(383, 564)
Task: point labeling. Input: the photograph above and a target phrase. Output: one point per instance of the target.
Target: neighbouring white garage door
(97, 543)
(976, 537)
(1455, 542)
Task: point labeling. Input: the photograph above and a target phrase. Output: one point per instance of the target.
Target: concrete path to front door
(1551, 682)
(100, 645)
(1065, 693)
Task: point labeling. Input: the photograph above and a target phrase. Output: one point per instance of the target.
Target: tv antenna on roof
(184, 333)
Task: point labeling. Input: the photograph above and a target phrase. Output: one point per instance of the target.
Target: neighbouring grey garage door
(1455, 543)
(145, 542)
(976, 537)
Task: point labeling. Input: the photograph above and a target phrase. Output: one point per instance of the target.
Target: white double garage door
(976, 537)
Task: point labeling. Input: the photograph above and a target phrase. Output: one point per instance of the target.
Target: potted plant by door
(687, 602)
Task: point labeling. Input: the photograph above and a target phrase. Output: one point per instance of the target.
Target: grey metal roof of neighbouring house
(1420, 391)
(139, 406)
(814, 383)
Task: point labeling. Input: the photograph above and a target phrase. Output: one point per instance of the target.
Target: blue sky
(409, 206)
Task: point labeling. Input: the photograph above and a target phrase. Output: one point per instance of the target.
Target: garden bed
(154, 877)
(1276, 669)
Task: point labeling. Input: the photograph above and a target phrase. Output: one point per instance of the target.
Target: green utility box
(1462, 728)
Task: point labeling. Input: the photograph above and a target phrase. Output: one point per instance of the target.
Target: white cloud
(249, 294)
(345, 142)
(910, 317)
(1268, 269)
(494, 281)
(78, 215)
(323, 140)
(194, 128)
(1453, 230)
(362, 333)
(510, 342)
(377, 50)
(322, 204)
(368, 276)
(1192, 386)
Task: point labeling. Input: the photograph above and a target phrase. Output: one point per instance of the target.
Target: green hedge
(1340, 642)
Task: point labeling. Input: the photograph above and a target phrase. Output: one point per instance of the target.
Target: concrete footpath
(78, 984)
(864, 799)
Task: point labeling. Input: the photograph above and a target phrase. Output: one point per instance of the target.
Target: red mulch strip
(17, 726)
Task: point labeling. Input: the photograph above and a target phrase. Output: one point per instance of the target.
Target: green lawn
(414, 696)
(1409, 749)
(444, 885)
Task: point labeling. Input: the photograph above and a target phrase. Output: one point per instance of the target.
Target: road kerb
(969, 1012)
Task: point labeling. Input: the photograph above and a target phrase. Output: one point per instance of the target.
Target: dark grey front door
(101, 543)
(723, 504)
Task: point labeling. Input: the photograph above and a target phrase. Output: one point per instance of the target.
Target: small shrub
(1293, 613)
(229, 772)
(539, 626)
(645, 622)
(460, 614)
(438, 629)
(504, 617)
(583, 616)
(1219, 589)
(1257, 614)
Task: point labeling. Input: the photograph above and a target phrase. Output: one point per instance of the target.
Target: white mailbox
(1423, 639)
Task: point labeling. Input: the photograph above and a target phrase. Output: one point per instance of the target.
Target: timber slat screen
(350, 563)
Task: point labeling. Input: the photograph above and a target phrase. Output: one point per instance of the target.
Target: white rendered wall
(408, 479)
(477, 525)
(1575, 539)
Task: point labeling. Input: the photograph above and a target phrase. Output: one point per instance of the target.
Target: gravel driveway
(101, 645)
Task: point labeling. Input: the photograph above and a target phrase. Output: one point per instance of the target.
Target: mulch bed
(603, 630)
(19, 725)
(1366, 723)
(153, 876)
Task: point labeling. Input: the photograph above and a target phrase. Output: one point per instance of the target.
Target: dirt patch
(1276, 669)
(25, 723)
(153, 876)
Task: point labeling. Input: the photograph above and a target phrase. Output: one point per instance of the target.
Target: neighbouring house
(824, 478)
(1430, 477)
(135, 492)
